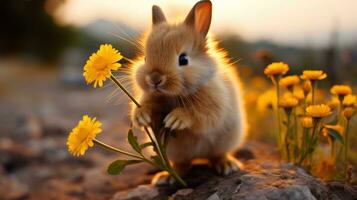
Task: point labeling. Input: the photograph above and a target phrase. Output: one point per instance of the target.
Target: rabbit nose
(156, 78)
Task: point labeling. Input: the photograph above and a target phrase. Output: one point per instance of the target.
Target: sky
(292, 22)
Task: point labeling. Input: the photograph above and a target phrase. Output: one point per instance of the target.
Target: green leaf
(157, 160)
(335, 134)
(118, 166)
(133, 141)
(147, 144)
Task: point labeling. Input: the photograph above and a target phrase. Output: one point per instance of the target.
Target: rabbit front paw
(141, 117)
(226, 165)
(177, 119)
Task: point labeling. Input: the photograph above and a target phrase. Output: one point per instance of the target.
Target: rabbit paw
(141, 117)
(177, 119)
(226, 165)
(162, 178)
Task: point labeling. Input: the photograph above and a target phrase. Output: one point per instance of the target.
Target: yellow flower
(318, 111)
(341, 90)
(82, 136)
(307, 87)
(100, 65)
(289, 81)
(313, 75)
(350, 100)
(288, 102)
(267, 100)
(349, 112)
(299, 93)
(276, 68)
(333, 103)
(307, 122)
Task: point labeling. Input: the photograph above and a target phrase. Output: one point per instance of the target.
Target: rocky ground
(37, 111)
(259, 180)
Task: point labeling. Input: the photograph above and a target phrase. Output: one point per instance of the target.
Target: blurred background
(44, 45)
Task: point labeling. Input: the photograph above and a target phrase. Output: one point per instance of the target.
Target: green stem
(314, 85)
(162, 154)
(303, 145)
(166, 161)
(116, 150)
(177, 177)
(287, 137)
(124, 90)
(310, 149)
(296, 136)
(277, 110)
(332, 149)
(346, 146)
(309, 142)
(340, 112)
(157, 144)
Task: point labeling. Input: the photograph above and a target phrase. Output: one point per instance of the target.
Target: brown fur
(203, 98)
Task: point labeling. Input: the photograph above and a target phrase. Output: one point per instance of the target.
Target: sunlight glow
(295, 21)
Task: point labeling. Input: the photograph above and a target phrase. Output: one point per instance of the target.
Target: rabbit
(185, 84)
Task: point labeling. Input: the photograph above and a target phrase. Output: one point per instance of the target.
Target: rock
(284, 181)
(182, 193)
(15, 155)
(142, 192)
(213, 197)
(343, 191)
(12, 188)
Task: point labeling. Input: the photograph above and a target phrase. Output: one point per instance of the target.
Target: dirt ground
(37, 111)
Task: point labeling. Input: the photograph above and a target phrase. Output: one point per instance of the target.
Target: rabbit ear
(157, 15)
(200, 16)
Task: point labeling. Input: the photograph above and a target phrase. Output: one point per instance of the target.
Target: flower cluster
(302, 121)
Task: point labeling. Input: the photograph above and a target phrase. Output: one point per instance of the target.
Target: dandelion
(307, 122)
(307, 87)
(313, 75)
(276, 68)
(288, 102)
(82, 136)
(341, 90)
(350, 100)
(289, 81)
(333, 103)
(266, 100)
(274, 71)
(349, 112)
(318, 111)
(100, 65)
(299, 93)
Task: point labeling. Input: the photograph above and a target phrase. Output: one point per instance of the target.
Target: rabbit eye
(183, 59)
